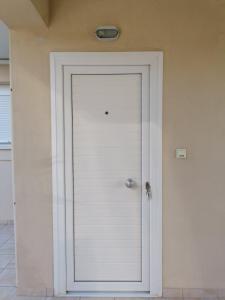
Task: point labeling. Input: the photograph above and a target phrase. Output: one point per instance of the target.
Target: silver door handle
(129, 183)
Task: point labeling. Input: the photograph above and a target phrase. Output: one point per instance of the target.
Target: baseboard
(168, 293)
(193, 293)
(34, 292)
(173, 293)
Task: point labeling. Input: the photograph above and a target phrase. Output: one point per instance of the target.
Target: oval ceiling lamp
(107, 33)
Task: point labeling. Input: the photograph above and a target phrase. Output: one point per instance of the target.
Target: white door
(106, 123)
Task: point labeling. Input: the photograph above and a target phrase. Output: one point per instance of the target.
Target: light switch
(181, 153)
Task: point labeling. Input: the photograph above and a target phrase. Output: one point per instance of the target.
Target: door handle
(129, 183)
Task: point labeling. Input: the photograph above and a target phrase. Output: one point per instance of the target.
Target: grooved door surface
(107, 150)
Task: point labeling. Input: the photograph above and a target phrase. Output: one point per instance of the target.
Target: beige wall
(192, 35)
(43, 7)
(6, 201)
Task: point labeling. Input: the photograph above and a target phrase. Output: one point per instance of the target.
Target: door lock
(148, 190)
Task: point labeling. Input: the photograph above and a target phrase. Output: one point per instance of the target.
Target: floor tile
(66, 298)
(8, 277)
(13, 259)
(8, 246)
(11, 266)
(5, 259)
(5, 251)
(4, 236)
(7, 293)
(29, 298)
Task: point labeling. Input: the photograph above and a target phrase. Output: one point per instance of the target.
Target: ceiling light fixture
(107, 33)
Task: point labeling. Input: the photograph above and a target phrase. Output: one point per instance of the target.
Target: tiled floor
(7, 263)
(7, 267)
(8, 278)
(7, 256)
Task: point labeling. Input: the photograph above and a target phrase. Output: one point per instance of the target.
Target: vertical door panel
(107, 150)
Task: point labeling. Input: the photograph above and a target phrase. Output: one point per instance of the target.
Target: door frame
(154, 60)
(72, 285)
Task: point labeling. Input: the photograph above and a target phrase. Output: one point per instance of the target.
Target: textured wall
(192, 35)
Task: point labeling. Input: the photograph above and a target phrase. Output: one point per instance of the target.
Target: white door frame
(154, 60)
(73, 285)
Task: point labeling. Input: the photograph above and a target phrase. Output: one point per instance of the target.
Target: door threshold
(110, 294)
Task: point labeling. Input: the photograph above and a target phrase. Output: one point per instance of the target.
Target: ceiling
(4, 41)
